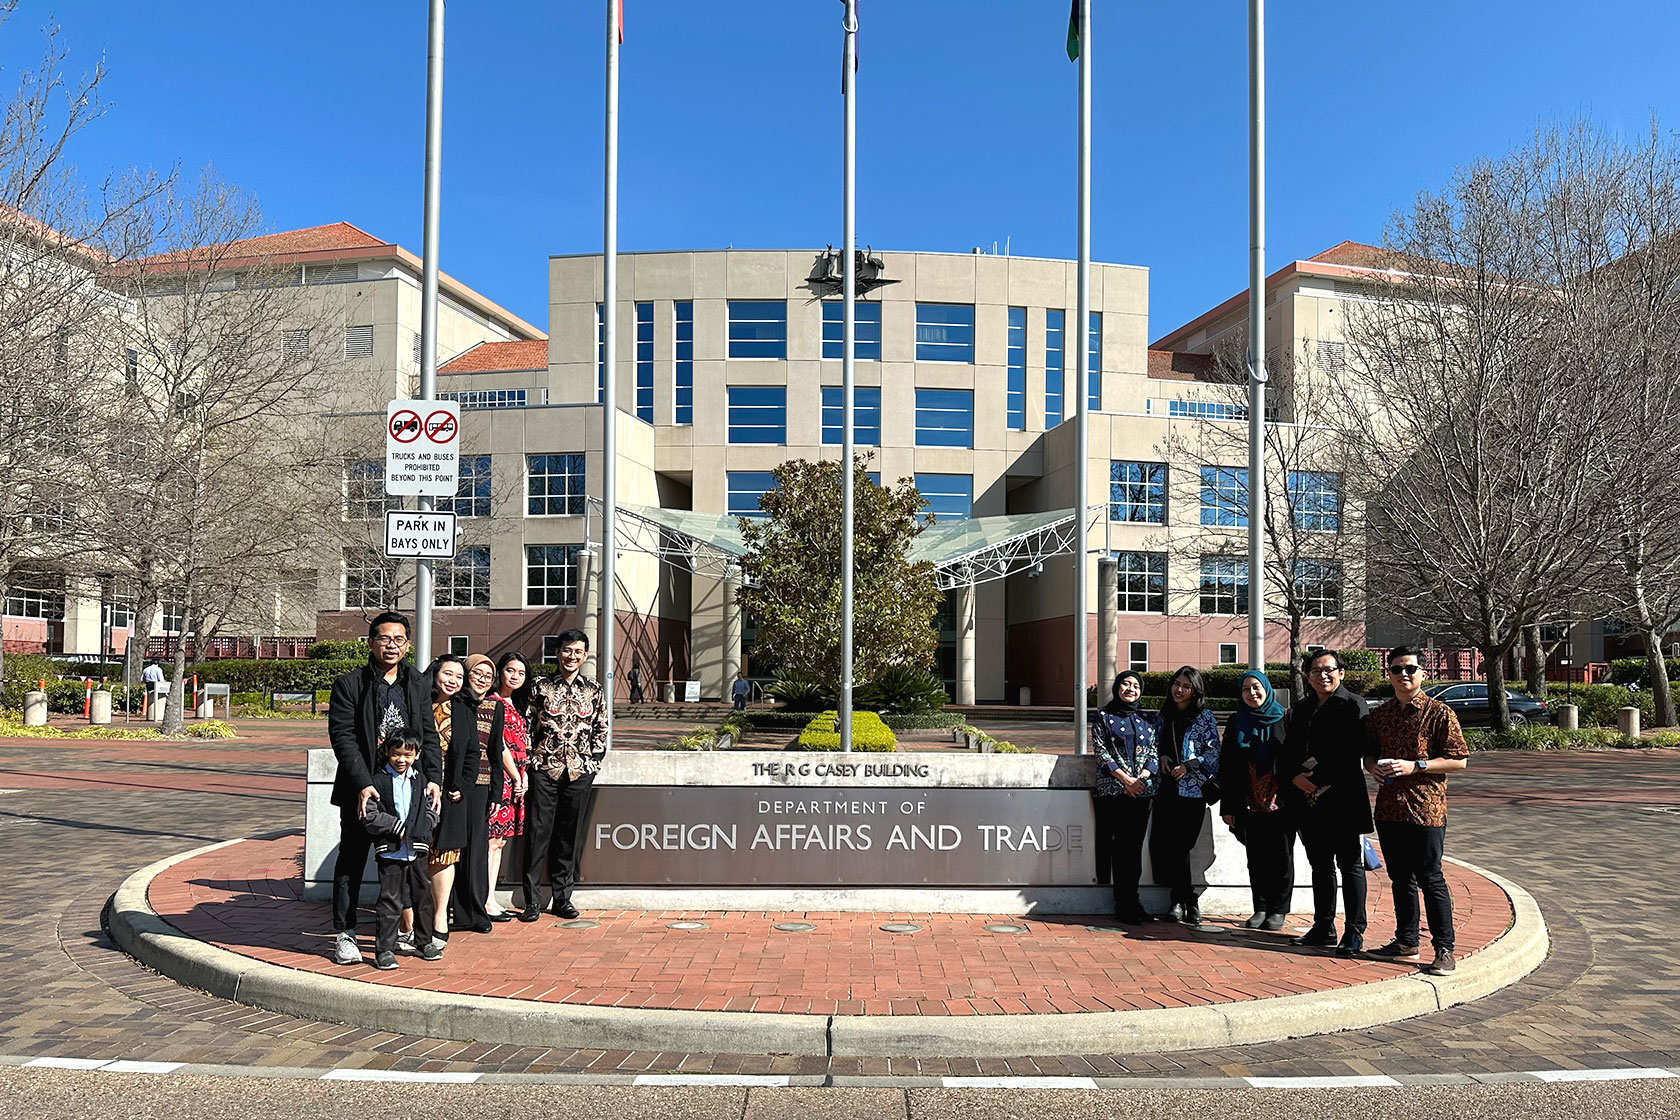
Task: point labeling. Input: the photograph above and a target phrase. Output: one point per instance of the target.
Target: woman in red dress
(507, 820)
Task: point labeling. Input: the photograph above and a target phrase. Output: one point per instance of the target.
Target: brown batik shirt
(568, 725)
(1422, 728)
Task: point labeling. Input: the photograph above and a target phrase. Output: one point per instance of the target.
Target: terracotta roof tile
(488, 356)
(1355, 254)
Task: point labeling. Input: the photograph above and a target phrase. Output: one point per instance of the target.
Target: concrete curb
(140, 932)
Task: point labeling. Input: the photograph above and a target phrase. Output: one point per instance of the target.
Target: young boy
(400, 818)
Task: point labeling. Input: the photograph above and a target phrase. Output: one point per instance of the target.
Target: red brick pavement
(245, 898)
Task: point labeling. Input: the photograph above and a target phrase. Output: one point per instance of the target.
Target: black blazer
(1332, 733)
(353, 729)
(1233, 768)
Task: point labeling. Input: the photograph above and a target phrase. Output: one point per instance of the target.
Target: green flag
(1073, 33)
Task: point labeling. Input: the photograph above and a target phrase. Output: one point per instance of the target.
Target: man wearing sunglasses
(1412, 743)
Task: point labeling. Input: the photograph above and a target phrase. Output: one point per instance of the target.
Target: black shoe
(1133, 915)
(1352, 945)
(1256, 920)
(563, 908)
(481, 927)
(1397, 950)
(1175, 913)
(1274, 922)
(504, 916)
(1192, 914)
(529, 914)
(1318, 935)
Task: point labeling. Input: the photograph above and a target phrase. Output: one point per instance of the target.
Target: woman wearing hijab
(1188, 744)
(456, 727)
(481, 795)
(1250, 759)
(1123, 740)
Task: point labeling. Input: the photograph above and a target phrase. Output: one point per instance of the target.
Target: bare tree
(1472, 390)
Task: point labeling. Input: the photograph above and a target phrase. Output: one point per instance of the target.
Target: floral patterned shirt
(568, 726)
(1423, 728)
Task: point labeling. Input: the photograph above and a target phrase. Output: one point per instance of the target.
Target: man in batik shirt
(568, 722)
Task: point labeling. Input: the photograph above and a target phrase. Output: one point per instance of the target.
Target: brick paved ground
(1592, 836)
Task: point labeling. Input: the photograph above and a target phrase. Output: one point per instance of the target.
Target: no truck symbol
(440, 427)
(405, 426)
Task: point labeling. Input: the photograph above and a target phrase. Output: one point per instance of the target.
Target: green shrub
(700, 739)
(902, 690)
(922, 721)
(353, 650)
(804, 695)
(23, 670)
(1600, 703)
(1360, 660)
(992, 743)
(312, 674)
(768, 718)
(1541, 737)
(213, 729)
(1222, 681)
(868, 733)
(1636, 670)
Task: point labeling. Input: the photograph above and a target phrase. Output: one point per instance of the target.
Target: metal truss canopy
(963, 552)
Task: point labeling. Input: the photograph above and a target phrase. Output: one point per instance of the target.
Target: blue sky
(731, 113)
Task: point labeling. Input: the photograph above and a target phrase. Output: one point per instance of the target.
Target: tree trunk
(1297, 681)
(174, 713)
(1499, 712)
(5, 588)
(1661, 698)
(1536, 667)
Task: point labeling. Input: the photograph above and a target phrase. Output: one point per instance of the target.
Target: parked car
(1470, 701)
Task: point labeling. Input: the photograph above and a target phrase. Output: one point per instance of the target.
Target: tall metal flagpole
(1256, 333)
(848, 275)
(1082, 395)
(608, 617)
(429, 295)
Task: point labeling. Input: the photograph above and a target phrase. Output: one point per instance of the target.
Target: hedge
(868, 733)
(1532, 737)
(282, 675)
(1636, 670)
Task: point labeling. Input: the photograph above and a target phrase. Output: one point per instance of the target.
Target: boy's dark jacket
(353, 729)
(387, 829)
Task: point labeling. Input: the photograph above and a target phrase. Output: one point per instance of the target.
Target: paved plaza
(1590, 835)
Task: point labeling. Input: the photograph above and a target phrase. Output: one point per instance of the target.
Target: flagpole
(429, 295)
(848, 274)
(606, 620)
(1082, 396)
(1256, 333)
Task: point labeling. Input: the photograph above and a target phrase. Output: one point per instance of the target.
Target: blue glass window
(1225, 497)
(758, 328)
(1053, 331)
(1224, 585)
(1093, 362)
(551, 575)
(472, 489)
(1318, 588)
(757, 414)
(944, 418)
(1315, 497)
(1142, 582)
(866, 415)
(554, 485)
(1015, 399)
(944, 332)
(949, 496)
(600, 356)
(1137, 492)
(644, 362)
(684, 397)
(866, 346)
(745, 488)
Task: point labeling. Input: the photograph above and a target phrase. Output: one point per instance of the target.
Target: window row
(949, 497)
(758, 414)
(1137, 493)
(551, 578)
(554, 486)
(1223, 585)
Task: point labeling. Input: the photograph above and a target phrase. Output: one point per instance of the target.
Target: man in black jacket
(367, 704)
(1324, 762)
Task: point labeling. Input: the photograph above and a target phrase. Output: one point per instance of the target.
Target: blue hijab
(1254, 725)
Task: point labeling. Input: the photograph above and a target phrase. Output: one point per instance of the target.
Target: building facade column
(965, 644)
(731, 632)
(1108, 625)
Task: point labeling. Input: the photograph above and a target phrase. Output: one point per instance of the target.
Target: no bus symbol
(440, 427)
(405, 426)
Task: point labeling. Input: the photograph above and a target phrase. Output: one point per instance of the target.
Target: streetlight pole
(848, 274)
(1082, 398)
(1256, 334)
(429, 296)
(607, 618)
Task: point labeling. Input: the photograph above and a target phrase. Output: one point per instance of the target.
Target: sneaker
(1397, 950)
(432, 952)
(405, 942)
(1318, 935)
(345, 950)
(385, 960)
(1443, 964)
(1274, 922)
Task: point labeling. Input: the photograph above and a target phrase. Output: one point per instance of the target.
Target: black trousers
(1330, 846)
(1412, 853)
(402, 883)
(1121, 823)
(354, 843)
(1270, 840)
(556, 813)
(472, 873)
(1176, 828)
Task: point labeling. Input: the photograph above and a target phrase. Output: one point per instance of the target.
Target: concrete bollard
(99, 707)
(1026, 696)
(34, 709)
(1569, 717)
(1627, 722)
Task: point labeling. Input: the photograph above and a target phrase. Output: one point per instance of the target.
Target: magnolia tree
(792, 575)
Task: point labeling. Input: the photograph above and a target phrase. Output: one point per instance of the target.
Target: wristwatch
(1422, 766)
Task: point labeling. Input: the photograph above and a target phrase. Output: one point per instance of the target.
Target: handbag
(1211, 793)
(1373, 861)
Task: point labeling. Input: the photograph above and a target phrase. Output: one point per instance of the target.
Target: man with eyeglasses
(1412, 743)
(1324, 760)
(367, 704)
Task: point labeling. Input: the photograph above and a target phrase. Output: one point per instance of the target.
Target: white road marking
(127, 1066)
(67, 1063)
(1360, 1081)
(1600, 1074)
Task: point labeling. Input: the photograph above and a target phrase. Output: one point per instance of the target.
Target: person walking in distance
(368, 705)
(1412, 743)
(740, 690)
(1325, 793)
(567, 718)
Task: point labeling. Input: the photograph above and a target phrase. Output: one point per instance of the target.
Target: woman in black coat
(479, 795)
(1249, 762)
(455, 716)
